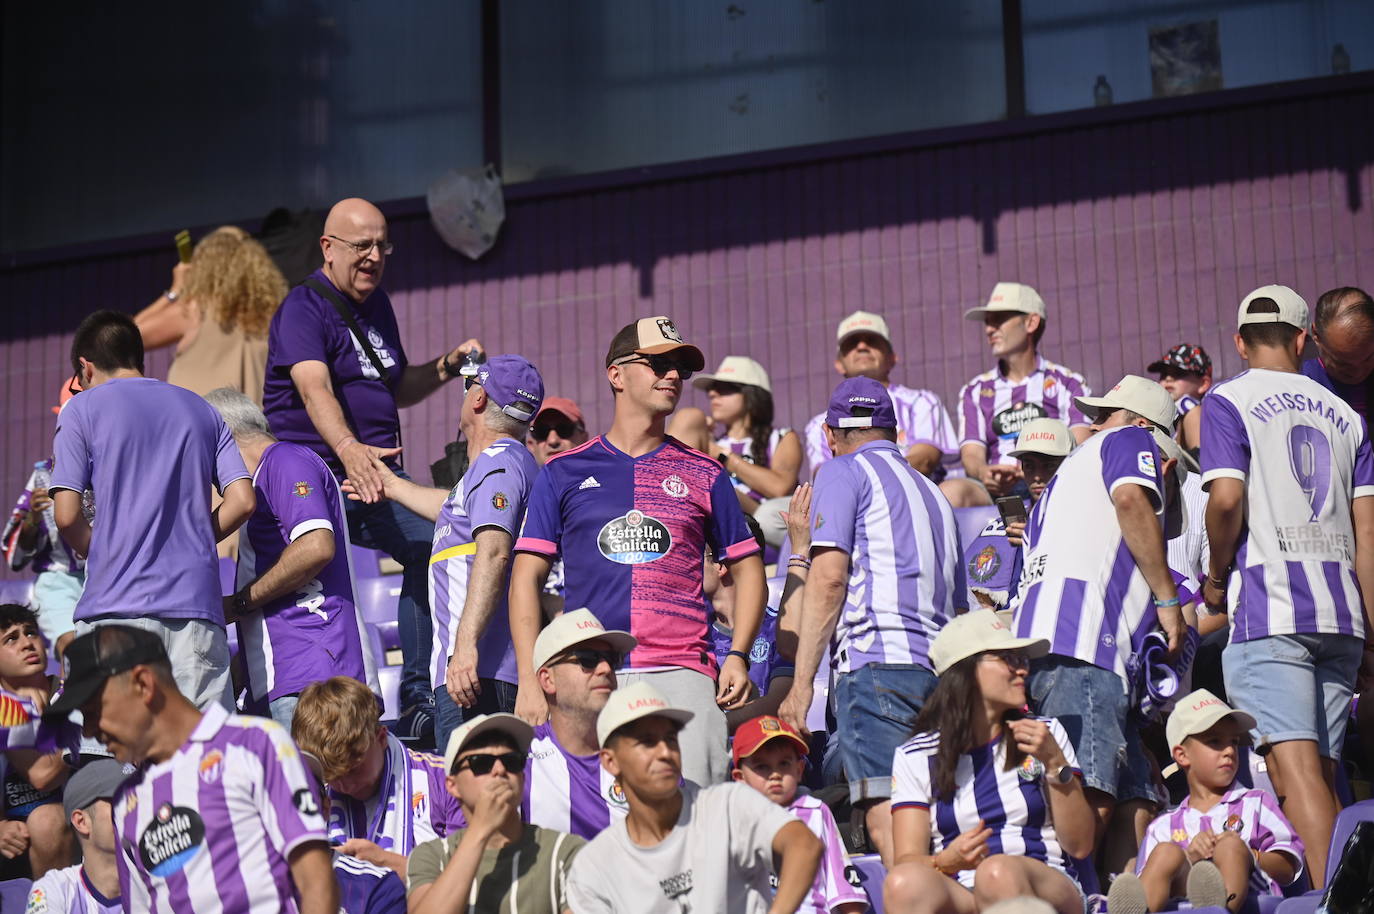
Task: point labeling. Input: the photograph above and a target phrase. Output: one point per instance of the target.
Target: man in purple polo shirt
(219, 815)
(152, 451)
(886, 574)
(298, 622)
(337, 393)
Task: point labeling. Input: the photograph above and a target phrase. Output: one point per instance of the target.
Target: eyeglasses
(589, 659)
(72, 388)
(467, 383)
(361, 248)
(564, 429)
(481, 763)
(723, 389)
(1015, 660)
(661, 364)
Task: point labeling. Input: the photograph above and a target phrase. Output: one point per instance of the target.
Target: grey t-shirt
(528, 876)
(716, 859)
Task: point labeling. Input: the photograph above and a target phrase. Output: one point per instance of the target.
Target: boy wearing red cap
(769, 756)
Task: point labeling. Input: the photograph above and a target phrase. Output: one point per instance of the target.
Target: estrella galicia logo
(634, 539)
(1009, 422)
(169, 842)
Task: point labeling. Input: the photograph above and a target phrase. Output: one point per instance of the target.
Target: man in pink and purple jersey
(633, 512)
(219, 815)
(886, 575)
(1022, 386)
(1289, 474)
(298, 622)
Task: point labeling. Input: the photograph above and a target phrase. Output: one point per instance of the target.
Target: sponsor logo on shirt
(985, 564)
(500, 501)
(675, 886)
(1179, 836)
(211, 766)
(303, 489)
(674, 487)
(589, 483)
(665, 327)
(1009, 422)
(1145, 462)
(304, 801)
(169, 842)
(634, 539)
(38, 902)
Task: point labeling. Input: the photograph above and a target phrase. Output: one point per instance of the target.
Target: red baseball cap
(754, 733)
(560, 405)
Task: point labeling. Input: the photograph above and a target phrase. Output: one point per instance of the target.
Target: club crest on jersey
(634, 539)
(302, 489)
(1145, 462)
(1032, 769)
(1233, 823)
(985, 564)
(175, 835)
(211, 766)
(616, 794)
(500, 502)
(674, 487)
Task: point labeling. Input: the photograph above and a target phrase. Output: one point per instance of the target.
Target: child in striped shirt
(769, 756)
(1223, 841)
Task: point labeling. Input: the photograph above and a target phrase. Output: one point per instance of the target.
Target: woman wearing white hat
(997, 794)
(763, 460)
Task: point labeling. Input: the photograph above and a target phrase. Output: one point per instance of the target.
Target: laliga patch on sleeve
(1145, 462)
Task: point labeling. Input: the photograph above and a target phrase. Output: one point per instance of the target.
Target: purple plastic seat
(871, 872)
(971, 522)
(16, 591)
(14, 894)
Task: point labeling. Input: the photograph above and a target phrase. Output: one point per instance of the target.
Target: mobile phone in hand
(183, 243)
(1012, 509)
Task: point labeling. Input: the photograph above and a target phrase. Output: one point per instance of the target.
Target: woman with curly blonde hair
(217, 312)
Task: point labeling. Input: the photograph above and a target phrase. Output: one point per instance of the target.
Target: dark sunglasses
(1015, 660)
(481, 763)
(590, 659)
(723, 389)
(564, 429)
(661, 365)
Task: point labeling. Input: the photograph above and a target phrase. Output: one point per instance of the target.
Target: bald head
(351, 225)
(1343, 328)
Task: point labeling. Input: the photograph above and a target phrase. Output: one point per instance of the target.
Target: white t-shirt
(716, 859)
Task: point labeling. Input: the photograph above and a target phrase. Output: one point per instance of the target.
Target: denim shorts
(1295, 686)
(875, 712)
(1091, 704)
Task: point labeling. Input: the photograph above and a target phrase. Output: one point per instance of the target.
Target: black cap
(96, 656)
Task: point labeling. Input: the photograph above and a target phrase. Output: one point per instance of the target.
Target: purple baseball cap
(860, 403)
(513, 384)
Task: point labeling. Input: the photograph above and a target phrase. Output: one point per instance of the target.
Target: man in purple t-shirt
(294, 603)
(151, 451)
(337, 394)
(219, 815)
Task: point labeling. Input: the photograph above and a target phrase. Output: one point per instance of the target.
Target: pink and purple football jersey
(633, 533)
(993, 409)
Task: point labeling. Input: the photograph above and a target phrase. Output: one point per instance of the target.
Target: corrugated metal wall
(1139, 234)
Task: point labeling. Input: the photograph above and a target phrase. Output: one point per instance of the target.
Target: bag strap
(346, 313)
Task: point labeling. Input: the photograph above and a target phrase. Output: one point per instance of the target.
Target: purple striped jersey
(411, 805)
(1014, 804)
(992, 409)
(68, 891)
(1303, 454)
(745, 448)
(1080, 587)
(832, 887)
(317, 630)
(492, 493)
(50, 552)
(1186, 404)
(1252, 814)
(921, 419)
(210, 828)
(569, 793)
(906, 569)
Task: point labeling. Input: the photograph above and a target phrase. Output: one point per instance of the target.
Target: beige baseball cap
(1049, 437)
(652, 336)
(862, 322)
(508, 724)
(1292, 308)
(1197, 712)
(735, 369)
(573, 628)
(977, 631)
(1009, 296)
(629, 704)
(1140, 395)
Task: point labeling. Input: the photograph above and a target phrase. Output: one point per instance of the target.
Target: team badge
(500, 502)
(1145, 462)
(1232, 823)
(665, 327)
(758, 653)
(985, 564)
(1049, 386)
(1032, 769)
(211, 766)
(616, 794)
(769, 725)
(303, 489)
(986, 392)
(634, 539)
(175, 835)
(674, 487)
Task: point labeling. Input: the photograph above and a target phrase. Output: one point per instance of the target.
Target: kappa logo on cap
(665, 327)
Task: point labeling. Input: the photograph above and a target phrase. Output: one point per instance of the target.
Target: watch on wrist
(723, 457)
(449, 371)
(1064, 775)
(241, 602)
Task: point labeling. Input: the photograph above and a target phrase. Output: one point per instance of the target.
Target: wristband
(1219, 585)
(797, 556)
(1167, 604)
(338, 447)
(741, 655)
(804, 566)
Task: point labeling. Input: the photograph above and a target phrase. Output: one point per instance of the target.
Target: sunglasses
(1015, 660)
(723, 389)
(564, 429)
(590, 659)
(481, 763)
(661, 365)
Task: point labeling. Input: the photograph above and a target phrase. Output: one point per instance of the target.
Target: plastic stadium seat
(389, 677)
(871, 874)
(16, 591)
(1345, 825)
(971, 522)
(14, 894)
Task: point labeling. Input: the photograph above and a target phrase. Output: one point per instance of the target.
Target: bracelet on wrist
(740, 654)
(1167, 604)
(798, 557)
(1218, 584)
(340, 446)
(805, 565)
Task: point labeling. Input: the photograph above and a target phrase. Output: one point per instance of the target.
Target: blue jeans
(496, 696)
(875, 712)
(283, 710)
(406, 537)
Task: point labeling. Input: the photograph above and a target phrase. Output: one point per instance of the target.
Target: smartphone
(183, 243)
(1012, 509)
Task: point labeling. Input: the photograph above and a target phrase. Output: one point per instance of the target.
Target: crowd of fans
(668, 667)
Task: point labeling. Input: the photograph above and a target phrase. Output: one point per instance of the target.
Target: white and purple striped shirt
(906, 571)
(1080, 588)
(1014, 804)
(211, 828)
(744, 447)
(1252, 814)
(68, 891)
(992, 409)
(1304, 455)
(921, 419)
(569, 793)
(412, 805)
(832, 887)
(1186, 404)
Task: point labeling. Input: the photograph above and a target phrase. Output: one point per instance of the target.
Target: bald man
(1343, 332)
(336, 375)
